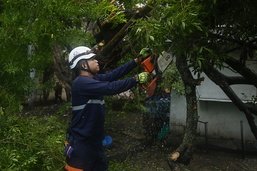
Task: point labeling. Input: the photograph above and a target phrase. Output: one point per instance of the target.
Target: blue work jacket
(88, 106)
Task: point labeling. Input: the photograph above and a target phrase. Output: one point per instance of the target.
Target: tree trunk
(61, 70)
(47, 76)
(183, 153)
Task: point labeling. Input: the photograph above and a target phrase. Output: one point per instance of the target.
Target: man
(84, 150)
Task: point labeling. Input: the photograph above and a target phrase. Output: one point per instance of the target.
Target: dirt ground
(129, 145)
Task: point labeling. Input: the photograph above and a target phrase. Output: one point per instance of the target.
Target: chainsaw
(155, 65)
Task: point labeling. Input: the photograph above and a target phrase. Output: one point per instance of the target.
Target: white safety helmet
(78, 53)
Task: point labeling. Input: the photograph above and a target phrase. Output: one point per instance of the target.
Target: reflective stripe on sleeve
(91, 101)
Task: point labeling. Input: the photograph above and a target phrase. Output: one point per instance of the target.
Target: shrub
(31, 142)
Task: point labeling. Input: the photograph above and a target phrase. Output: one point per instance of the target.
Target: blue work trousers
(87, 155)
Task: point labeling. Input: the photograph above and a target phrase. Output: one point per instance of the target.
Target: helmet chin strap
(87, 68)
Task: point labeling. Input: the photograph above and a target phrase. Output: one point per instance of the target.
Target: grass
(35, 142)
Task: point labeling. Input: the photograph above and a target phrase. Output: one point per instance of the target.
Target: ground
(129, 145)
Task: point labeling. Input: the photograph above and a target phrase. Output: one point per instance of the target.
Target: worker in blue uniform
(84, 150)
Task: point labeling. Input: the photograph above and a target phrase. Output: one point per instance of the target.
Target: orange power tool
(155, 65)
(148, 66)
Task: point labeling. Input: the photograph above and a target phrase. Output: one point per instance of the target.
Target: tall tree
(51, 27)
(202, 33)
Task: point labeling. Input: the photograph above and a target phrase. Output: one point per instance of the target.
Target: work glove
(142, 77)
(145, 52)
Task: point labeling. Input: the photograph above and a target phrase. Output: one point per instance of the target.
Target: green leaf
(183, 25)
(138, 30)
(151, 38)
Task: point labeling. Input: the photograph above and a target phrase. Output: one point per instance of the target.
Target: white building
(223, 118)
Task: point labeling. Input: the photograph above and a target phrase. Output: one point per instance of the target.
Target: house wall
(223, 118)
(216, 108)
(177, 112)
(209, 91)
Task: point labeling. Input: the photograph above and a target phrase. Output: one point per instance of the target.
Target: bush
(31, 142)
(35, 142)
(9, 102)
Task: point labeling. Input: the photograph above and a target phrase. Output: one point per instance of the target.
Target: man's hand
(142, 77)
(145, 52)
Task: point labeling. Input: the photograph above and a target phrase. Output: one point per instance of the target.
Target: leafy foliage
(171, 80)
(201, 30)
(31, 142)
(41, 24)
(35, 142)
(176, 22)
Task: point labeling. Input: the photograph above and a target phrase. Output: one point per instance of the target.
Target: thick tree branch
(241, 43)
(108, 49)
(244, 71)
(252, 107)
(236, 80)
(226, 38)
(219, 79)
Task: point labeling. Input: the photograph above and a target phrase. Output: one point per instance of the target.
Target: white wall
(223, 118)
(216, 108)
(209, 91)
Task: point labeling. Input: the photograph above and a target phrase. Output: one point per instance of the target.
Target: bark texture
(184, 152)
